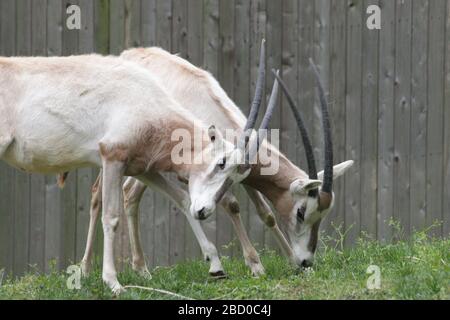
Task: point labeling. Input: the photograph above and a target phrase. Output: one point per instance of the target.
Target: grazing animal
(293, 192)
(63, 113)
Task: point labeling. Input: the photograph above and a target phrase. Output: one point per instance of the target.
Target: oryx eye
(301, 214)
(222, 163)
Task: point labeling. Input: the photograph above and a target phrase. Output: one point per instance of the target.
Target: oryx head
(229, 163)
(313, 197)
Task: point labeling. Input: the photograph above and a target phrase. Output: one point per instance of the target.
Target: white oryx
(293, 193)
(63, 113)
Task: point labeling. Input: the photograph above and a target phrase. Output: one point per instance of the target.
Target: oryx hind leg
(181, 199)
(95, 210)
(132, 191)
(266, 215)
(252, 260)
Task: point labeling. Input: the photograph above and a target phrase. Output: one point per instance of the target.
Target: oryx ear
(302, 186)
(338, 170)
(214, 134)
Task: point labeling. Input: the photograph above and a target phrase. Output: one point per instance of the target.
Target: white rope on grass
(160, 291)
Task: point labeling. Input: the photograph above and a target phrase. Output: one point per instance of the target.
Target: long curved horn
(327, 185)
(256, 103)
(312, 171)
(262, 131)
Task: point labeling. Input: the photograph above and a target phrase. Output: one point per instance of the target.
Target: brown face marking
(313, 238)
(324, 200)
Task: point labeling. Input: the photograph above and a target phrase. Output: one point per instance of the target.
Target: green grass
(414, 269)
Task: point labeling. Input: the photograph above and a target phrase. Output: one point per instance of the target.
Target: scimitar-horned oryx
(64, 113)
(292, 192)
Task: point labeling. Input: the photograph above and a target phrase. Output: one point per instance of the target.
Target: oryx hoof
(217, 275)
(85, 268)
(257, 270)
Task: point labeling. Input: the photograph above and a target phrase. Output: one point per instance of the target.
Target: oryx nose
(201, 214)
(306, 263)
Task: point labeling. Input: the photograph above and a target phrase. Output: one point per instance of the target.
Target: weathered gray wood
(162, 204)
(321, 52)
(419, 108)
(369, 109)
(69, 195)
(101, 25)
(210, 47)
(37, 182)
(7, 174)
(386, 121)
(389, 100)
(147, 207)
(179, 45)
(353, 119)
(84, 176)
(258, 19)
(402, 113)
(53, 207)
(274, 37)
(148, 20)
(242, 89)
(436, 51)
(22, 180)
(337, 95)
(446, 195)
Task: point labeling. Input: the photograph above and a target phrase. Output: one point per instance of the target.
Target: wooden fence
(390, 105)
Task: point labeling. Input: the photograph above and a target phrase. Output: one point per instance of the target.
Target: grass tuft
(418, 268)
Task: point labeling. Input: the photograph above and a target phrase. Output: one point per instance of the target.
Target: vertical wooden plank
(22, 180)
(148, 21)
(85, 176)
(69, 194)
(101, 24)
(436, 50)
(179, 27)
(132, 23)
(258, 19)
(321, 58)
(274, 37)
(337, 98)
(195, 56)
(369, 116)
(37, 182)
(224, 233)
(242, 89)
(386, 120)
(210, 46)
(116, 26)
(446, 196)
(353, 119)
(147, 206)
(419, 57)
(162, 204)
(402, 113)
(117, 33)
(7, 174)
(306, 89)
(53, 206)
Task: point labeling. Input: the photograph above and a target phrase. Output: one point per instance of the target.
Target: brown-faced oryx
(63, 113)
(294, 194)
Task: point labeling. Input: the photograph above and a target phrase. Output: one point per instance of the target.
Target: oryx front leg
(112, 208)
(181, 198)
(95, 210)
(267, 216)
(132, 191)
(229, 202)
